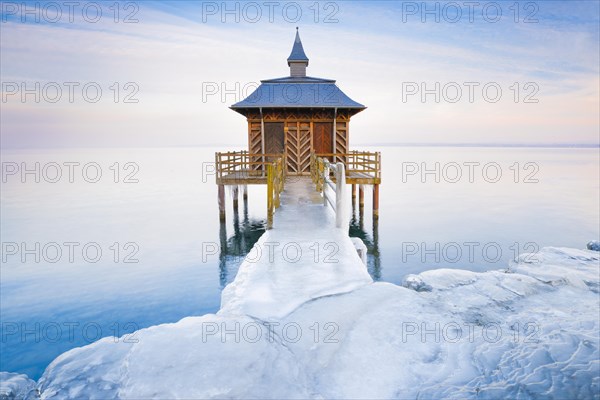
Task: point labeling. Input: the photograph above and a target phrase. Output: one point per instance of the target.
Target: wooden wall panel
(341, 139)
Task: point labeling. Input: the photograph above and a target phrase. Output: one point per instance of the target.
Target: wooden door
(323, 137)
(274, 138)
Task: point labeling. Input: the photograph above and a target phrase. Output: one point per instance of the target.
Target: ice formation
(529, 331)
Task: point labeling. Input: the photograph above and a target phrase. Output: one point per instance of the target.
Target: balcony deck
(243, 168)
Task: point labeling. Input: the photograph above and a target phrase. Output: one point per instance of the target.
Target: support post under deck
(222, 202)
(375, 202)
(236, 198)
(361, 196)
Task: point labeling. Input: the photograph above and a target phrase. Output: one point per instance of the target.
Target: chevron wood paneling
(298, 134)
(254, 140)
(304, 147)
(341, 138)
(297, 147)
(291, 147)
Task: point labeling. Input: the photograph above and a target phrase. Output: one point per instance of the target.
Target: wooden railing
(242, 168)
(321, 173)
(275, 182)
(241, 164)
(357, 164)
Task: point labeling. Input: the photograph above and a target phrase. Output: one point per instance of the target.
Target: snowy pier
(304, 256)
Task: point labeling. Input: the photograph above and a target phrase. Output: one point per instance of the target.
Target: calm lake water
(118, 255)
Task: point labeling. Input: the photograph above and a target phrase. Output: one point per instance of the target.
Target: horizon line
(383, 144)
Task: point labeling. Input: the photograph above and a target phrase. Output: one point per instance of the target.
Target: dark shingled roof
(297, 53)
(294, 92)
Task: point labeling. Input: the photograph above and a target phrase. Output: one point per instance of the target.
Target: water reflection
(357, 229)
(235, 248)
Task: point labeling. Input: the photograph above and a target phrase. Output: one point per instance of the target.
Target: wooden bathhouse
(297, 123)
(298, 114)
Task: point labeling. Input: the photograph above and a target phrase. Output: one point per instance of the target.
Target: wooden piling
(236, 197)
(361, 196)
(375, 202)
(353, 193)
(221, 202)
(245, 193)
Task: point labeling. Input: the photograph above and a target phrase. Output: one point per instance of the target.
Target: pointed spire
(297, 61)
(298, 53)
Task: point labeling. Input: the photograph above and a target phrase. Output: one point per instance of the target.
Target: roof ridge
(298, 79)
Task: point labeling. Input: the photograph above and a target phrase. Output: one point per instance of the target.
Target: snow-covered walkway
(303, 257)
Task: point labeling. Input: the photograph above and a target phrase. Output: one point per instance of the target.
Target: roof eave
(265, 106)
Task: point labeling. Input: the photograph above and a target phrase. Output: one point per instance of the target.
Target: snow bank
(559, 266)
(527, 332)
(172, 361)
(16, 386)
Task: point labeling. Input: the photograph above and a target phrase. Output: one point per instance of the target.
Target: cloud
(173, 58)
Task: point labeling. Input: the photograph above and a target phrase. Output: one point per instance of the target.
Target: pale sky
(178, 54)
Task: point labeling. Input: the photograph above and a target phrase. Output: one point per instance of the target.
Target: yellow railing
(241, 164)
(275, 182)
(241, 168)
(317, 168)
